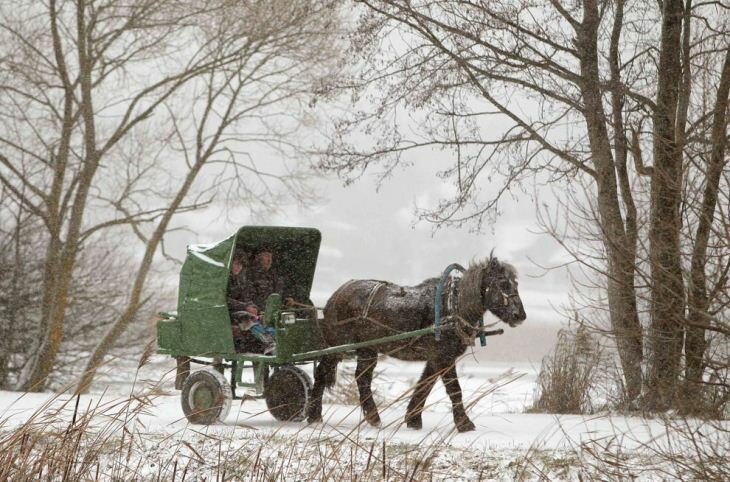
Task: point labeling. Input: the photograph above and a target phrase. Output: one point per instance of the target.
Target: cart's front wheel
(287, 393)
(206, 397)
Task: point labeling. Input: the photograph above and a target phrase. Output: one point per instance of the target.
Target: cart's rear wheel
(206, 397)
(287, 393)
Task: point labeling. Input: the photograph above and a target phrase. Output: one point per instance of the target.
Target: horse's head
(499, 292)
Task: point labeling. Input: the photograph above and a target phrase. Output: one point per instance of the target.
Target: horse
(362, 310)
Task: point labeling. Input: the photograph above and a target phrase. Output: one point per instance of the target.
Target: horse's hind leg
(324, 376)
(451, 382)
(418, 400)
(366, 361)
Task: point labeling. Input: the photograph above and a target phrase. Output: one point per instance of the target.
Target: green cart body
(201, 327)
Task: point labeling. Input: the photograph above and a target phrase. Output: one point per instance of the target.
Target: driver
(261, 280)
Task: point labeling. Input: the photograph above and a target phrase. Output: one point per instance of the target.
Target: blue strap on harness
(439, 292)
(482, 336)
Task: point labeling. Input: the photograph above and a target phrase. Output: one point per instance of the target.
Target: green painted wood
(272, 311)
(300, 336)
(168, 333)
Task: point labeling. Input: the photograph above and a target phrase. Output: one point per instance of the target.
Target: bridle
(506, 298)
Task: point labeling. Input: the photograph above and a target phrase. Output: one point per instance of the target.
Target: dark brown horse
(362, 310)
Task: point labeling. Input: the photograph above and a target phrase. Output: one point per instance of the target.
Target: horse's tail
(327, 370)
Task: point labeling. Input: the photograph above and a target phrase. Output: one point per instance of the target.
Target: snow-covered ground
(507, 443)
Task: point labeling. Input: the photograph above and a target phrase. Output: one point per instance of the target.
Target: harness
(445, 282)
(365, 312)
(450, 301)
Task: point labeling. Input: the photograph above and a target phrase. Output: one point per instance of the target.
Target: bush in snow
(568, 377)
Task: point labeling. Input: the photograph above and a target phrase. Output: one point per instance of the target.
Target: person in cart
(248, 289)
(237, 281)
(261, 280)
(249, 321)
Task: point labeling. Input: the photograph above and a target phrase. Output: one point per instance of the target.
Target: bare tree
(564, 89)
(101, 278)
(18, 287)
(112, 109)
(699, 318)
(667, 287)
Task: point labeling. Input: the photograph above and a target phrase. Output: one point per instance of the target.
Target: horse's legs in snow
(418, 400)
(367, 358)
(324, 376)
(451, 382)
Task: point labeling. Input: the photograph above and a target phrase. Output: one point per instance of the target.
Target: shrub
(567, 377)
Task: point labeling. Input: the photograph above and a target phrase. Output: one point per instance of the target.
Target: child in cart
(249, 320)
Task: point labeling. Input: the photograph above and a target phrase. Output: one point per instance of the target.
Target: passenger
(249, 320)
(261, 280)
(237, 281)
(244, 314)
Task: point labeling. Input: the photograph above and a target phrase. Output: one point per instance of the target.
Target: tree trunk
(667, 288)
(620, 252)
(698, 318)
(62, 255)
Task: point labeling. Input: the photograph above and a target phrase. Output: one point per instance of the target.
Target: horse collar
(439, 297)
(452, 297)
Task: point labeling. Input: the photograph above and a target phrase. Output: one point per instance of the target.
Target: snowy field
(507, 445)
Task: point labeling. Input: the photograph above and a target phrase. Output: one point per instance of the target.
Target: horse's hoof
(373, 420)
(414, 423)
(311, 420)
(466, 426)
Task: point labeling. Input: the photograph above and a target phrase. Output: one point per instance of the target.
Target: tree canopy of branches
(110, 110)
(574, 90)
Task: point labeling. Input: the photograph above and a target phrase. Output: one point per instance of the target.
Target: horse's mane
(470, 291)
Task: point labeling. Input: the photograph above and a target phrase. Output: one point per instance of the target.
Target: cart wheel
(206, 397)
(287, 393)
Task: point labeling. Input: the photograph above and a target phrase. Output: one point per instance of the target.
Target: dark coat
(260, 284)
(237, 291)
(256, 284)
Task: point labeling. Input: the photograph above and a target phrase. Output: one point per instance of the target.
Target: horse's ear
(493, 261)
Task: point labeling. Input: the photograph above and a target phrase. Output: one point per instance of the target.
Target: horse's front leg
(451, 382)
(324, 376)
(367, 358)
(420, 394)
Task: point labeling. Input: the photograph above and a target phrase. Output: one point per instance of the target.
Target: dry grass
(686, 449)
(568, 377)
(70, 439)
(73, 440)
